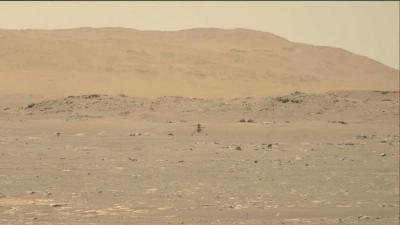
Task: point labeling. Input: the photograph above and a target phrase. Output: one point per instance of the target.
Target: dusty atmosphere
(202, 126)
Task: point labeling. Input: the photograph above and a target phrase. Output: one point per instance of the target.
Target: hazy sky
(365, 28)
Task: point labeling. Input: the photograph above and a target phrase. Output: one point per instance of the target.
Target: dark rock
(238, 148)
(58, 205)
(340, 122)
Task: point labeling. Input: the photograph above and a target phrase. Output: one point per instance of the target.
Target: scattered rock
(91, 96)
(233, 147)
(286, 99)
(339, 122)
(248, 121)
(133, 159)
(364, 217)
(363, 136)
(57, 205)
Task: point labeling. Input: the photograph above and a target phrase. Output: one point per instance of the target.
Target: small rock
(250, 121)
(170, 134)
(339, 122)
(242, 121)
(364, 217)
(382, 154)
(30, 106)
(363, 136)
(238, 148)
(58, 205)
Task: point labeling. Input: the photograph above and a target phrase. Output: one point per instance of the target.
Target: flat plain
(302, 158)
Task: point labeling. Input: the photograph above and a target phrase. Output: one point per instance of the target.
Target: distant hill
(193, 63)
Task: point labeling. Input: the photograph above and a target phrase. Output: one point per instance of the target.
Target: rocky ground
(303, 158)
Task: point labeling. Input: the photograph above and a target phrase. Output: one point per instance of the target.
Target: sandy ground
(304, 159)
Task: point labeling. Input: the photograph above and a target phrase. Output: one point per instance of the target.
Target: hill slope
(193, 63)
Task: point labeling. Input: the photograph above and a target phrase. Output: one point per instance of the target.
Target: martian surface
(203, 126)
